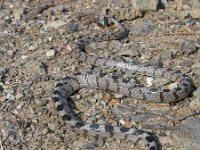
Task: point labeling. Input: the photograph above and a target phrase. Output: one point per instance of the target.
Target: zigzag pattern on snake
(113, 82)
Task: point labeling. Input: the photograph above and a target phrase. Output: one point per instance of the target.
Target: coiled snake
(113, 82)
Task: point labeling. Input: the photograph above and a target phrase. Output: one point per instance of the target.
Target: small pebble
(118, 95)
(149, 81)
(10, 96)
(19, 95)
(50, 54)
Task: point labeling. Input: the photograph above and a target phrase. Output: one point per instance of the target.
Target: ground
(35, 46)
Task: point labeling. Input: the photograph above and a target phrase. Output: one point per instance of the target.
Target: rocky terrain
(35, 46)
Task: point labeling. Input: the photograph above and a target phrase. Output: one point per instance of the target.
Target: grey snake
(112, 82)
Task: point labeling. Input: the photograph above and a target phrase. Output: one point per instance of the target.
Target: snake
(113, 82)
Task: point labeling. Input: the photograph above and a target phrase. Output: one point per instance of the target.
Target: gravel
(36, 38)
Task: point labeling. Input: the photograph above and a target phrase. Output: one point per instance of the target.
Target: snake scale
(113, 82)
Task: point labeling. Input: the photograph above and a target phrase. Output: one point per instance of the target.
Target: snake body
(113, 82)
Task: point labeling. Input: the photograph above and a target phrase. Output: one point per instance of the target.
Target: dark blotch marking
(101, 75)
(118, 89)
(115, 78)
(161, 97)
(125, 81)
(60, 107)
(71, 87)
(77, 73)
(138, 132)
(126, 136)
(139, 139)
(55, 99)
(184, 75)
(177, 71)
(187, 79)
(97, 82)
(175, 95)
(150, 138)
(153, 90)
(59, 84)
(107, 85)
(143, 95)
(109, 128)
(79, 124)
(146, 65)
(81, 41)
(94, 126)
(185, 84)
(57, 92)
(105, 62)
(166, 90)
(66, 117)
(169, 69)
(89, 72)
(85, 132)
(66, 78)
(101, 57)
(87, 38)
(123, 129)
(95, 61)
(152, 148)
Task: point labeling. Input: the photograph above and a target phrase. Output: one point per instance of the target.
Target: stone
(90, 146)
(54, 24)
(11, 53)
(10, 96)
(149, 81)
(166, 54)
(32, 47)
(158, 82)
(35, 66)
(142, 27)
(19, 95)
(53, 126)
(188, 46)
(2, 98)
(118, 95)
(68, 28)
(129, 52)
(50, 54)
(3, 13)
